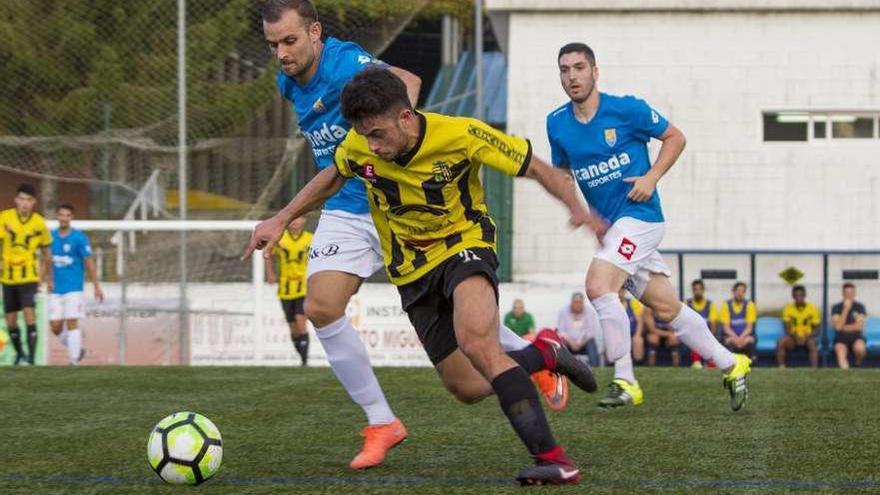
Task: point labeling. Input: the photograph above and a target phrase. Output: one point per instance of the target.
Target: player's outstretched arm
(673, 144)
(561, 186)
(310, 197)
(413, 83)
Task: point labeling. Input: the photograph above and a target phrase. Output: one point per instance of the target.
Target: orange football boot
(378, 440)
(553, 387)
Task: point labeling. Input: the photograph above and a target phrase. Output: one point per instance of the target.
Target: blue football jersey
(320, 117)
(69, 254)
(609, 148)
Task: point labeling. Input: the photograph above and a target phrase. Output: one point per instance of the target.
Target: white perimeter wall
(712, 74)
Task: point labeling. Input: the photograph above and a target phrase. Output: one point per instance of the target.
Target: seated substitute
(422, 173)
(520, 321)
(801, 327)
(578, 325)
(738, 317)
(849, 317)
(660, 334)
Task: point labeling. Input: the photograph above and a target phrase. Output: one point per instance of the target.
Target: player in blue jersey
(71, 260)
(345, 247)
(602, 140)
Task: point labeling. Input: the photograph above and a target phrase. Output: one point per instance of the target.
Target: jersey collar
(403, 160)
(24, 220)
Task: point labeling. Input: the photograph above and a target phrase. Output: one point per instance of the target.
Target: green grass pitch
(84, 430)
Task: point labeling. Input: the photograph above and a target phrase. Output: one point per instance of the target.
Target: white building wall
(712, 74)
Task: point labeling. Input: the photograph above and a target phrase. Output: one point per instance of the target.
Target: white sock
(74, 344)
(63, 336)
(351, 364)
(615, 326)
(692, 330)
(623, 369)
(510, 341)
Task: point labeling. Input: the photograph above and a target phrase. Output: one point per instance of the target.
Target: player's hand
(643, 188)
(265, 236)
(99, 294)
(50, 286)
(595, 223)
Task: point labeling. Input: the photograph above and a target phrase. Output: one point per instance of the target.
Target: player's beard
(586, 96)
(302, 69)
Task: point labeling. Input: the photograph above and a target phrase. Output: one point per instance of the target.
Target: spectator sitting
(738, 317)
(801, 327)
(660, 334)
(636, 324)
(848, 317)
(705, 308)
(578, 325)
(520, 321)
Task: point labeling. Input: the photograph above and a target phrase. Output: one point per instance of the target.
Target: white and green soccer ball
(185, 448)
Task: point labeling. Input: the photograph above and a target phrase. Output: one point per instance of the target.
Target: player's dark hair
(65, 206)
(738, 285)
(697, 282)
(798, 288)
(849, 285)
(28, 189)
(578, 47)
(577, 295)
(274, 9)
(373, 92)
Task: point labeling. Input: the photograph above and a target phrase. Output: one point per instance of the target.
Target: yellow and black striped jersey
(22, 238)
(429, 205)
(293, 256)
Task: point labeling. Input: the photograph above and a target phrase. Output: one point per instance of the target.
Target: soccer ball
(185, 448)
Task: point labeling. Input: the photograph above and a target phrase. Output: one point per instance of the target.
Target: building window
(820, 126)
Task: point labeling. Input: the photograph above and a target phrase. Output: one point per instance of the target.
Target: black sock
(301, 344)
(530, 359)
(15, 335)
(519, 401)
(32, 341)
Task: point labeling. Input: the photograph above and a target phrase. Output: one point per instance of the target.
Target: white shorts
(345, 242)
(631, 245)
(67, 306)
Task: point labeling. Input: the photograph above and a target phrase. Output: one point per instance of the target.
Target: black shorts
(428, 300)
(293, 307)
(19, 296)
(848, 339)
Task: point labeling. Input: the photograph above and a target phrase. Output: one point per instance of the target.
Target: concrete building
(736, 76)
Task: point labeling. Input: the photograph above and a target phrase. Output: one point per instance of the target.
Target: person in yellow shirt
(292, 253)
(802, 322)
(23, 233)
(738, 317)
(705, 308)
(422, 174)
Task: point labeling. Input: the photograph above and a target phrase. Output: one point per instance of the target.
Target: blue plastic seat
(768, 329)
(872, 333)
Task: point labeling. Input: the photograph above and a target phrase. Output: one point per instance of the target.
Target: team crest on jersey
(442, 172)
(66, 248)
(611, 136)
(370, 172)
(318, 106)
(627, 248)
